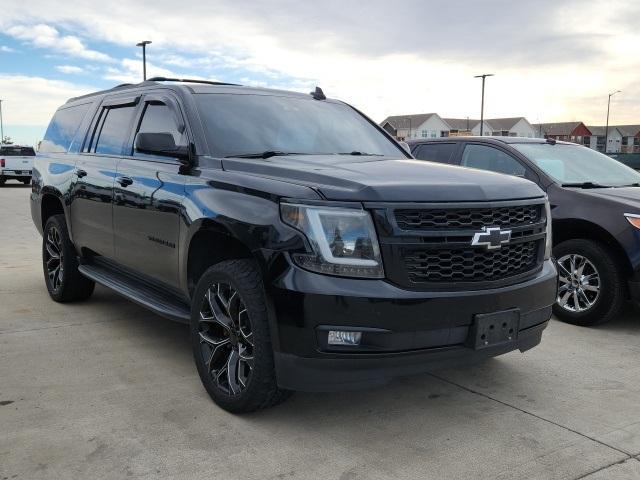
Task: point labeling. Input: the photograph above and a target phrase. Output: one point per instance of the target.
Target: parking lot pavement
(105, 389)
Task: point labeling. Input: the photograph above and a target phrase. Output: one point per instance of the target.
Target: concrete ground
(105, 389)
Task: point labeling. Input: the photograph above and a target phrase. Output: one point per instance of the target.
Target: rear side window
(114, 129)
(63, 128)
(435, 152)
(17, 151)
(489, 158)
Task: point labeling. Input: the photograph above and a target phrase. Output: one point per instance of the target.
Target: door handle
(81, 173)
(124, 181)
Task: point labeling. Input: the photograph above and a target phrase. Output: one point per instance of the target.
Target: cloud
(69, 69)
(552, 60)
(130, 71)
(46, 36)
(30, 100)
(5, 49)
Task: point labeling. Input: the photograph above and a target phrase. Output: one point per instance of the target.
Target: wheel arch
(210, 243)
(569, 229)
(50, 204)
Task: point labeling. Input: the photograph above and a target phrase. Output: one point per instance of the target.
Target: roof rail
(188, 80)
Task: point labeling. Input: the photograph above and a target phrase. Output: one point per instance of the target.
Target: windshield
(250, 124)
(575, 164)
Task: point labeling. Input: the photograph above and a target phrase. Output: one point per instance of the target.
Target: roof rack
(188, 80)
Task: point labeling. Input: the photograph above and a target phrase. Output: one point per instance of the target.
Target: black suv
(595, 205)
(304, 246)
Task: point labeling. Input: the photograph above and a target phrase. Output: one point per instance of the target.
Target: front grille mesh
(467, 218)
(470, 265)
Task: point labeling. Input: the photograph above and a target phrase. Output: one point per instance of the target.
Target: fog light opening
(343, 338)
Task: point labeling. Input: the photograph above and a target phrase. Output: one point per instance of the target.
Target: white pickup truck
(16, 163)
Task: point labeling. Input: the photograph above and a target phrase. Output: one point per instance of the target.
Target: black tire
(611, 295)
(66, 284)
(231, 339)
(26, 181)
(2, 181)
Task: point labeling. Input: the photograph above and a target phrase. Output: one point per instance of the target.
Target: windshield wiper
(585, 185)
(265, 154)
(364, 154)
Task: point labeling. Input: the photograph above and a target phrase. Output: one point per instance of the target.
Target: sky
(553, 60)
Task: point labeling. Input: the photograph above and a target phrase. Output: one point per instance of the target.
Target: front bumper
(413, 331)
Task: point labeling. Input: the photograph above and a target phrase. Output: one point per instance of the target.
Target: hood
(621, 195)
(343, 177)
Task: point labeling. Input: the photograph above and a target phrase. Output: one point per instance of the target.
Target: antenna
(318, 94)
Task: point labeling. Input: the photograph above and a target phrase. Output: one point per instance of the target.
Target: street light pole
(606, 129)
(483, 77)
(144, 44)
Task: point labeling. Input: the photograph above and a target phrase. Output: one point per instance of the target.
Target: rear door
(92, 199)
(149, 191)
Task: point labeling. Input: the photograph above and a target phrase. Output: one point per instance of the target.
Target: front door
(148, 198)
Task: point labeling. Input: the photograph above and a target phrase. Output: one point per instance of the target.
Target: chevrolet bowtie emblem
(491, 237)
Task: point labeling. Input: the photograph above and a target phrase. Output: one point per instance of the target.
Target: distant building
(461, 126)
(423, 125)
(566, 131)
(508, 127)
(599, 135)
(630, 138)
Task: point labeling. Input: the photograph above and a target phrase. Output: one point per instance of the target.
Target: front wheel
(591, 285)
(231, 340)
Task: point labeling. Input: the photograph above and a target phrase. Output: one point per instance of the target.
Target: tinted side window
(115, 128)
(159, 118)
(435, 152)
(63, 128)
(489, 158)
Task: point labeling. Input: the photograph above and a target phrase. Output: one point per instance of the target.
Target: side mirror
(161, 144)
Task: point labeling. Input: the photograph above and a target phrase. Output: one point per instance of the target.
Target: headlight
(549, 241)
(344, 241)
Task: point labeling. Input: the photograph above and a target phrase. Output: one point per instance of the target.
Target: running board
(166, 305)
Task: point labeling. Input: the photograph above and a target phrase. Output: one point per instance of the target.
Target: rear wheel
(60, 264)
(2, 181)
(26, 181)
(591, 285)
(231, 340)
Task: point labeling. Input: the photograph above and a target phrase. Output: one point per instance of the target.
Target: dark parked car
(304, 246)
(595, 206)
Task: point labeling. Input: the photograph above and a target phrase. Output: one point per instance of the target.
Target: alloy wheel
(579, 283)
(226, 338)
(53, 258)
